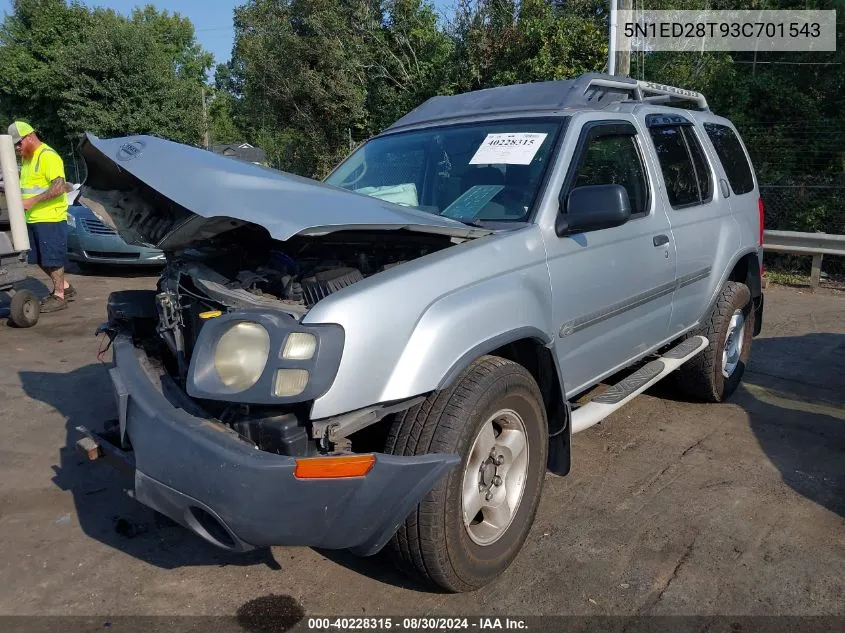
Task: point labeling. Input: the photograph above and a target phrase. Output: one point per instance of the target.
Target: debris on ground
(129, 529)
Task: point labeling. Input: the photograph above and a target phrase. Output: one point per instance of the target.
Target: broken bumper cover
(201, 475)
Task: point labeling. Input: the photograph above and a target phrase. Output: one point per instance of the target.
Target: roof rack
(649, 92)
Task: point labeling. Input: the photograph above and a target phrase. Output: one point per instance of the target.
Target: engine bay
(299, 272)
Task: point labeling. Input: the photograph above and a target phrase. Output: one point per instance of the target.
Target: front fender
(410, 328)
(466, 324)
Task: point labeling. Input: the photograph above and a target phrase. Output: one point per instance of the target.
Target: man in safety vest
(45, 202)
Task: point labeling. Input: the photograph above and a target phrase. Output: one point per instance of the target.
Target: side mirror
(593, 207)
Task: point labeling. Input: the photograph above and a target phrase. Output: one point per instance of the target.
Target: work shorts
(48, 244)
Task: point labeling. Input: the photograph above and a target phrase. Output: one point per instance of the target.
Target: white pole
(611, 49)
(14, 200)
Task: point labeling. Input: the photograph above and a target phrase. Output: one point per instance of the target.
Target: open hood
(168, 195)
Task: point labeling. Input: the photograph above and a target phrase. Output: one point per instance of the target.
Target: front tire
(715, 373)
(469, 528)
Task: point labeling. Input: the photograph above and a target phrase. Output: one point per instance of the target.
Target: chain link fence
(804, 208)
(75, 170)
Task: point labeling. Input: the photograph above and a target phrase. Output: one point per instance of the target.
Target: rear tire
(24, 309)
(715, 373)
(493, 417)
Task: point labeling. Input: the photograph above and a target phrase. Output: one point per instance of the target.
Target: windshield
(479, 171)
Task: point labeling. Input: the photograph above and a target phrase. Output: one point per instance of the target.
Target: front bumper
(202, 475)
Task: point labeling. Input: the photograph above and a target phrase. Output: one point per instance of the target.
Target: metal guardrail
(816, 244)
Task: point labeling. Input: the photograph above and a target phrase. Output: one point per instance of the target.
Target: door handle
(660, 240)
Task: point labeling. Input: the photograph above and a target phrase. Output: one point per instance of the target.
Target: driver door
(611, 288)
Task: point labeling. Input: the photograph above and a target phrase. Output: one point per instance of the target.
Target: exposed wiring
(102, 351)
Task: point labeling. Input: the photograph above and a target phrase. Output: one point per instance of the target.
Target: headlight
(263, 357)
(299, 346)
(241, 354)
(290, 382)
(71, 221)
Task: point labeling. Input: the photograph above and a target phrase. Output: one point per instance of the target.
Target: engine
(306, 270)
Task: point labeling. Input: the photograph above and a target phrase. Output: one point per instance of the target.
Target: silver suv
(392, 356)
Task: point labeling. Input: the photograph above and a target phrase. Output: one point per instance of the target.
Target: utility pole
(205, 140)
(611, 47)
(622, 65)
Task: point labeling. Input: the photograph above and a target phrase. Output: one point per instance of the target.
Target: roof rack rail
(649, 92)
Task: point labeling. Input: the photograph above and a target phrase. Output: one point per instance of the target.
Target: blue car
(92, 241)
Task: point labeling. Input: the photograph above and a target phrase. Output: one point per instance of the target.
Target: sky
(212, 18)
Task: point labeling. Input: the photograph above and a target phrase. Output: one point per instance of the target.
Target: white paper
(404, 194)
(513, 148)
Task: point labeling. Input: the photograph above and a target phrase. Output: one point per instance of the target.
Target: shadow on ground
(379, 567)
(793, 391)
(794, 394)
(105, 512)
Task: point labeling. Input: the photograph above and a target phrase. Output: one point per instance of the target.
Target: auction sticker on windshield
(513, 148)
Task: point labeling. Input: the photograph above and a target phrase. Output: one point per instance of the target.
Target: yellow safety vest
(37, 174)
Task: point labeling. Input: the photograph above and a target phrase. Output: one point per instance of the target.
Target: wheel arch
(746, 269)
(531, 349)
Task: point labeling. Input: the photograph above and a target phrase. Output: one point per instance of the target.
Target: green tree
(68, 68)
(301, 65)
(222, 127)
(505, 42)
(311, 78)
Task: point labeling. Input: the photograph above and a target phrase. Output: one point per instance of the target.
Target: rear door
(611, 288)
(744, 193)
(703, 228)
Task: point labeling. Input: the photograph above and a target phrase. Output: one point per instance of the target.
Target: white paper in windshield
(513, 148)
(404, 194)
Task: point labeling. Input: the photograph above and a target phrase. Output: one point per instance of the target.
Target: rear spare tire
(469, 528)
(715, 373)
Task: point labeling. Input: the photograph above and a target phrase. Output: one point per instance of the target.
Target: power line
(737, 61)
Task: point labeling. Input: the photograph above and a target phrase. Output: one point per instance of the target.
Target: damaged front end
(225, 326)
(215, 371)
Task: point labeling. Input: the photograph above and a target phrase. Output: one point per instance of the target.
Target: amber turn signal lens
(333, 467)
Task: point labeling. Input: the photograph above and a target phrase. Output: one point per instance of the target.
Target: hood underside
(168, 195)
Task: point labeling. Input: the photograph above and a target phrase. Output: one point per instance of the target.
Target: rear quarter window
(730, 153)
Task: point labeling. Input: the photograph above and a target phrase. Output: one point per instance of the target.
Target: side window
(702, 169)
(688, 179)
(730, 153)
(614, 160)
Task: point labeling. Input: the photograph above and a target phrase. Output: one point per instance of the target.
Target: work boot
(53, 304)
(70, 293)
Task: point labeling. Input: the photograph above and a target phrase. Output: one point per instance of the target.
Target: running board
(623, 392)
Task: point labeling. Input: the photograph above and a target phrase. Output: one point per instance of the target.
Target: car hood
(168, 195)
